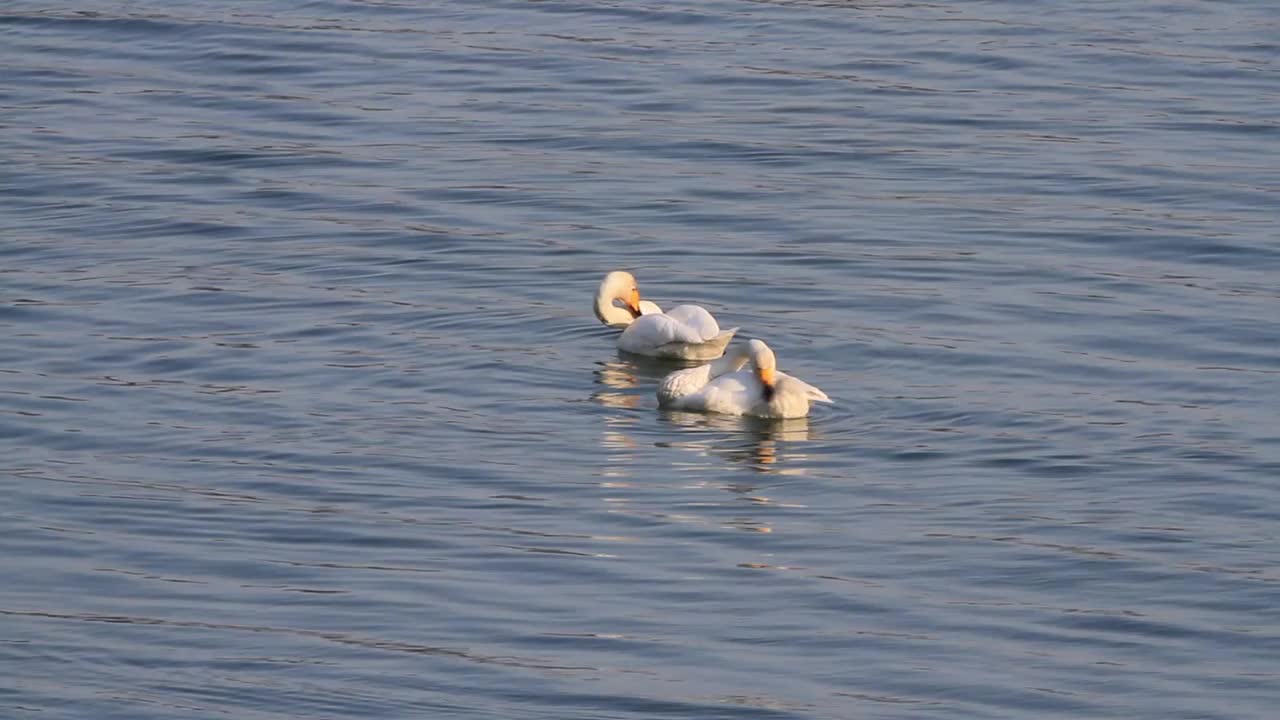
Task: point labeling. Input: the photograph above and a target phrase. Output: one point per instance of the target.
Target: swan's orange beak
(633, 302)
(766, 379)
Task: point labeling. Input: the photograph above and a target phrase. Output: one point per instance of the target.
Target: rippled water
(304, 412)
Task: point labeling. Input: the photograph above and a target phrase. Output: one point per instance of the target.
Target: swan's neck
(730, 362)
(609, 313)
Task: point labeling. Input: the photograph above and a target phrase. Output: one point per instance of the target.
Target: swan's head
(765, 365)
(618, 285)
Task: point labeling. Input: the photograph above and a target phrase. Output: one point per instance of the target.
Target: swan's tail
(721, 341)
(813, 393)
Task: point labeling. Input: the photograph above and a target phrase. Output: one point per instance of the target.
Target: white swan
(720, 387)
(686, 332)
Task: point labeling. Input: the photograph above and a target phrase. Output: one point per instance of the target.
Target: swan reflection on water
(761, 444)
(631, 379)
(627, 384)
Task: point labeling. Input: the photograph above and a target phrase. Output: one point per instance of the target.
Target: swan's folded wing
(814, 394)
(652, 331)
(697, 319)
(682, 383)
(733, 394)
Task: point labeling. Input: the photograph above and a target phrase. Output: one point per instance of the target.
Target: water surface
(304, 412)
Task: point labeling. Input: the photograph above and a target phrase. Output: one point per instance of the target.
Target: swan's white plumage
(690, 380)
(740, 392)
(685, 332)
(696, 321)
(813, 393)
(649, 308)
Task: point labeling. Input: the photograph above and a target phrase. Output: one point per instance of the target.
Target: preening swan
(686, 332)
(720, 387)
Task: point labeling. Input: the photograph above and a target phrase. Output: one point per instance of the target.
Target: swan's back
(697, 319)
(653, 331)
(686, 332)
(732, 394)
(682, 383)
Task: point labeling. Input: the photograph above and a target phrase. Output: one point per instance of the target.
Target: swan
(722, 387)
(686, 332)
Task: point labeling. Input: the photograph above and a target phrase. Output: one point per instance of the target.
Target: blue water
(304, 412)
